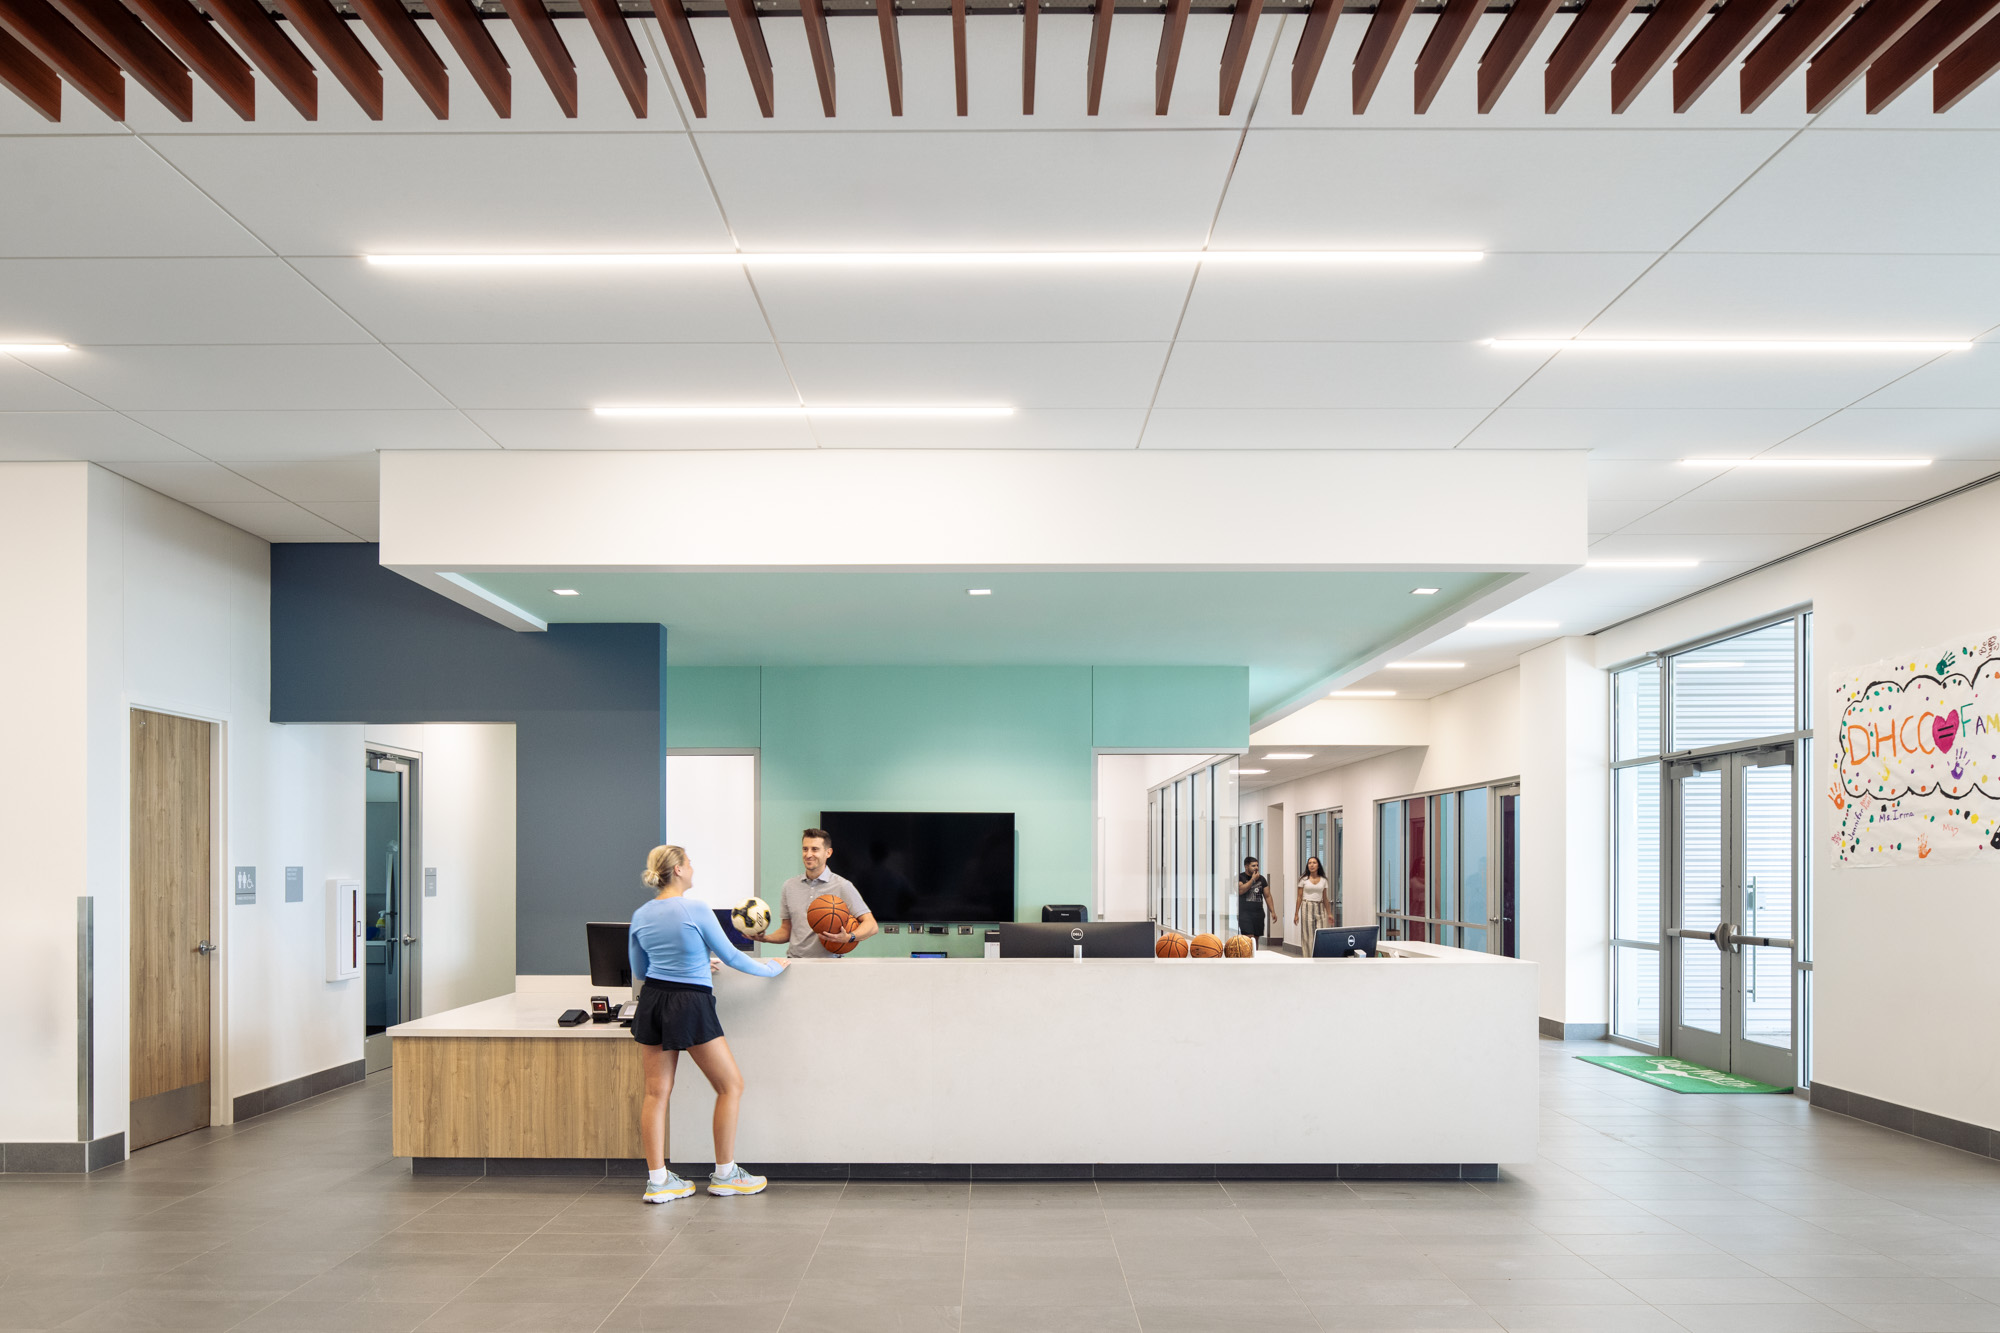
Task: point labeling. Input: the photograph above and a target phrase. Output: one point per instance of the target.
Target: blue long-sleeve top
(671, 940)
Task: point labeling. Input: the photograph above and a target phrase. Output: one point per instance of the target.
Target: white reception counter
(1415, 1066)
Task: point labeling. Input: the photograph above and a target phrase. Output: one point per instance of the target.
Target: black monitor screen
(610, 960)
(926, 867)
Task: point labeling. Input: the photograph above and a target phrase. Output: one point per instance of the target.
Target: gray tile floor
(1646, 1211)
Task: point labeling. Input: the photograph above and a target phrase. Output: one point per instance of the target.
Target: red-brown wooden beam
(1447, 39)
(127, 41)
(1236, 51)
(199, 46)
(1658, 38)
(31, 80)
(1966, 68)
(1100, 51)
(1937, 35)
(1310, 53)
(1385, 29)
(1173, 28)
(821, 46)
(1791, 40)
(404, 41)
(466, 32)
(538, 33)
(958, 56)
(258, 36)
(1519, 32)
(687, 56)
(1860, 44)
(756, 55)
(339, 49)
(1589, 33)
(50, 37)
(1715, 48)
(1031, 22)
(892, 53)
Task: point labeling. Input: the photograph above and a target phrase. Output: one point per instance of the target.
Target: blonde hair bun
(661, 864)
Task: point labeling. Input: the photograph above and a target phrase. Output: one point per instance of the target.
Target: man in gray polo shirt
(815, 850)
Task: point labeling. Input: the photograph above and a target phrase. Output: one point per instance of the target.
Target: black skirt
(675, 1015)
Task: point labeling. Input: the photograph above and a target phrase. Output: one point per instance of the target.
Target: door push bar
(1728, 941)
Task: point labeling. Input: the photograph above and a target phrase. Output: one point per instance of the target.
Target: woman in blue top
(672, 937)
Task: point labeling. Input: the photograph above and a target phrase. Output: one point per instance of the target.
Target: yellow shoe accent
(738, 1181)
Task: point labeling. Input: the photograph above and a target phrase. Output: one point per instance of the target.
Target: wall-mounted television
(926, 867)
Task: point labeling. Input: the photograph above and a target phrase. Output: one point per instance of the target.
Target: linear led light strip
(916, 410)
(1719, 345)
(939, 259)
(33, 349)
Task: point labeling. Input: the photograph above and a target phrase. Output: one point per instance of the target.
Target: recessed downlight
(801, 413)
(1826, 345)
(938, 259)
(1864, 464)
(34, 349)
(1425, 666)
(979, 592)
(565, 592)
(1362, 694)
(1423, 592)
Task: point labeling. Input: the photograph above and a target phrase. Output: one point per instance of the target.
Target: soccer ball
(752, 916)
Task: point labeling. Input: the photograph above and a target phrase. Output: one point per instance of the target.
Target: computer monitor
(1345, 941)
(928, 953)
(610, 956)
(1100, 939)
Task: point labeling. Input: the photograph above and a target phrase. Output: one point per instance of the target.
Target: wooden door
(171, 879)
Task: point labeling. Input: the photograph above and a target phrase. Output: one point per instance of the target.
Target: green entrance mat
(1677, 1075)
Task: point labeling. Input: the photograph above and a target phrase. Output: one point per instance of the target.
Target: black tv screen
(926, 867)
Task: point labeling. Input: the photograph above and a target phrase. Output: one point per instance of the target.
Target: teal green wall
(1012, 739)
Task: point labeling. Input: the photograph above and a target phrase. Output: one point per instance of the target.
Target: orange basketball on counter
(1239, 946)
(1206, 946)
(1170, 945)
(828, 913)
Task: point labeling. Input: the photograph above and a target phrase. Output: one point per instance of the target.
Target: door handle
(1764, 941)
(205, 948)
(409, 939)
(1724, 934)
(1677, 933)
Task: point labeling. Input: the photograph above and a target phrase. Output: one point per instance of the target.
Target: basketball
(1206, 946)
(828, 913)
(1239, 946)
(752, 916)
(1170, 945)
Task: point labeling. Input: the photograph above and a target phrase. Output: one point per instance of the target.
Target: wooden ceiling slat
(1658, 38)
(1791, 40)
(37, 26)
(1236, 51)
(1715, 48)
(813, 14)
(1447, 39)
(1519, 32)
(1860, 44)
(756, 55)
(1031, 22)
(31, 80)
(1173, 29)
(679, 35)
(538, 33)
(1937, 35)
(404, 41)
(466, 32)
(136, 50)
(258, 36)
(958, 56)
(1385, 29)
(1966, 68)
(1589, 33)
(892, 53)
(1310, 53)
(1100, 51)
(338, 49)
(188, 35)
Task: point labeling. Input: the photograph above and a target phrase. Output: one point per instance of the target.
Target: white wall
(1909, 1022)
(712, 813)
(1565, 846)
(466, 780)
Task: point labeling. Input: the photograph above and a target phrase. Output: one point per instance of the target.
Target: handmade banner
(1918, 759)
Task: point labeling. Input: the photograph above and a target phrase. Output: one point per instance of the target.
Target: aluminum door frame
(407, 947)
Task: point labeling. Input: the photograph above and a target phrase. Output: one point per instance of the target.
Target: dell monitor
(1099, 939)
(610, 957)
(1345, 942)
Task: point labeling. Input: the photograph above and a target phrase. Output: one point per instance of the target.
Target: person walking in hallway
(1252, 892)
(1312, 912)
(672, 937)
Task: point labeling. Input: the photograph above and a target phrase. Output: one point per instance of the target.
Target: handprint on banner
(1838, 796)
(1958, 764)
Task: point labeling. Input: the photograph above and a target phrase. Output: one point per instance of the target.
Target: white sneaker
(738, 1181)
(673, 1187)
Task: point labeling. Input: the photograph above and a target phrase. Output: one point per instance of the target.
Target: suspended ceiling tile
(1758, 517)
(215, 300)
(276, 521)
(1863, 296)
(73, 194)
(362, 520)
(194, 481)
(1715, 380)
(350, 480)
(353, 194)
(26, 388)
(1894, 487)
(1872, 432)
(1035, 428)
(1020, 375)
(1641, 433)
(1960, 380)
(577, 428)
(1349, 375)
(1710, 549)
(268, 377)
(1608, 516)
(1655, 480)
(91, 436)
(329, 433)
(974, 305)
(585, 375)
(1308, 428)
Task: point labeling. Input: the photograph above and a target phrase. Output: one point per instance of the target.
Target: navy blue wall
(354, 642)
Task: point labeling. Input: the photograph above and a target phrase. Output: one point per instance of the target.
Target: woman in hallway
(1252, 892)
(1311, 912)
(672, 937)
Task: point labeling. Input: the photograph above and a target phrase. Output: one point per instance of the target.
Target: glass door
(1730, 915)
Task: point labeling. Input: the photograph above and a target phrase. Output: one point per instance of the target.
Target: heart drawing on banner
(1944, 730)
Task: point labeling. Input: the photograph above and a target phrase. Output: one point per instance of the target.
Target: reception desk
(1416, 1066)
